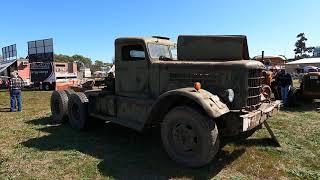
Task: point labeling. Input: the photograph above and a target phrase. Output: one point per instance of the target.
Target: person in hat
(15, 86)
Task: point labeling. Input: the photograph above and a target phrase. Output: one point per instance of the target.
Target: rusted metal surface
(254, 118)
(151, 88)
(218, 63)
(209, 102)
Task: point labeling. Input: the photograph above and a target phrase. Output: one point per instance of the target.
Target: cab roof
(158, 39)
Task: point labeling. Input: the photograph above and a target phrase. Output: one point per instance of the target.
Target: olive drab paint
(217, 62)
(152, 88)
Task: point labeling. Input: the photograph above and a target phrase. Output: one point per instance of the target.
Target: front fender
(210, 103)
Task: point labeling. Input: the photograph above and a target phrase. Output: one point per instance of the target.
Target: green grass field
(31, 148)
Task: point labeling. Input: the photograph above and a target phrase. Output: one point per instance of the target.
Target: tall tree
(301, 49)
(62, 58)
(79, 58)
(97, 66)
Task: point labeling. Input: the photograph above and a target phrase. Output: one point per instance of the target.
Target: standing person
(276, 85)
(15, 86)
(285, 82)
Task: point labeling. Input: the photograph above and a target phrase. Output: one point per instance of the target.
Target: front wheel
(189, 137)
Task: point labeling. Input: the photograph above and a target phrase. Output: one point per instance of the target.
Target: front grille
(254, 87)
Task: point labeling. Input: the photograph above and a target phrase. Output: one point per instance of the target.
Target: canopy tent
(302, 64)
(305, 61)
(112, 70)
(5, 64)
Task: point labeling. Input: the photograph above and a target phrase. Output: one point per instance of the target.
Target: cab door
(132, 68)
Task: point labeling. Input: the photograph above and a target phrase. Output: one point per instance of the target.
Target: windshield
(160, 50)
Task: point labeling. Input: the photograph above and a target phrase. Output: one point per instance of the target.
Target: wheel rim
(184, 139)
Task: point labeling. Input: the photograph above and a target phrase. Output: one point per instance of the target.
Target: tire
(188, 124)
(59, 106)
(47, 87)
(69, 92)
(78, 111)
(292, 97)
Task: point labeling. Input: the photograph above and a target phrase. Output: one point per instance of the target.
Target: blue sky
(90, 27)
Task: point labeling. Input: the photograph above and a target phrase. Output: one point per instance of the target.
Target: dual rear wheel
(71, 105)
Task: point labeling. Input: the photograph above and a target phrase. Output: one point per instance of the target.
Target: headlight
(230, 95)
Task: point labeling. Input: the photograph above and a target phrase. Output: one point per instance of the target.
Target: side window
(133, 53)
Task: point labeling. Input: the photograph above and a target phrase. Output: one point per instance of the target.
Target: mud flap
(274, 138)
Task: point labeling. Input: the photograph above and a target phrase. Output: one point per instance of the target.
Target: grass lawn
(32, 148)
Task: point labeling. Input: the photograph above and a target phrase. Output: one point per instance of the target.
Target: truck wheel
(292, 97)
(47, 87)
(59, 106)
(69, 92)
(78, 110)
(189, 137)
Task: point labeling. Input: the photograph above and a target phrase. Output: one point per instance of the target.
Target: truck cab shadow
(124, 152)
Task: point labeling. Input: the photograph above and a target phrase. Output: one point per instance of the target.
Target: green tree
(96, 66)
(63, 58)
(79, 59)
(85, 60)
(99, 63)
(301, 49)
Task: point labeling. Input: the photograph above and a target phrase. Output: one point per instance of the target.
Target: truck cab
(209, 91)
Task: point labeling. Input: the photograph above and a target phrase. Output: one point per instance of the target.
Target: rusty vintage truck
(209, 91)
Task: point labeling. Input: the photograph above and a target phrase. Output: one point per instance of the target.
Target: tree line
(81, 61)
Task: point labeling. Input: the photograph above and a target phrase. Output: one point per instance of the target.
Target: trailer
(54, 75)
(22, 66)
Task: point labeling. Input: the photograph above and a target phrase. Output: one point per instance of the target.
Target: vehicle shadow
(126, 154)
(257, 142)
(303, 106)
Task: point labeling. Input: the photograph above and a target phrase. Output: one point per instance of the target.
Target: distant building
(316, 52)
